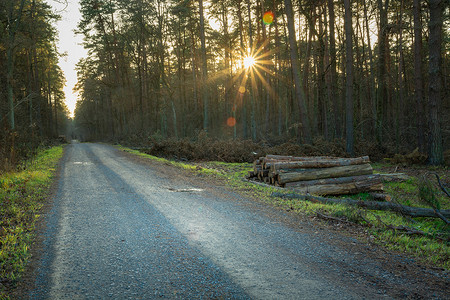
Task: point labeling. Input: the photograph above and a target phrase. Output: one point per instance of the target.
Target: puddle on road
(83, 163)
(186, 190)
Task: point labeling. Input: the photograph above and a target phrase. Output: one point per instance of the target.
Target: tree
(435, 154)
(349, 78)
(418, 75)
(14, 18)
(383, 46)
(306, 129)
(204, 67)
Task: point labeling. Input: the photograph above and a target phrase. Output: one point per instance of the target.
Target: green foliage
(22, 195)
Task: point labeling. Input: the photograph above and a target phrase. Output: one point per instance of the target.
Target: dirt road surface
(122, 227)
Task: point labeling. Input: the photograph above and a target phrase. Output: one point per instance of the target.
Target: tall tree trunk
(321, 99)
(349, 77)
(401, 84)
(382, 84)
(9, 80)
(373, 105)
(204, 68)
(194, 71)
(251, 90)
(241, 95)
(418, 76)
(306, 129)
(277, 69)
(13, 25)
(435, 156)
(56, 114)
(36, 81)
(50, 116)
(333, 74)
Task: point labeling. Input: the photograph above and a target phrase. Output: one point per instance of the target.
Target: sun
(249, 62)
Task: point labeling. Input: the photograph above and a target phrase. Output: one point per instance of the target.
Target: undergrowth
(388, 229)
(22, 194)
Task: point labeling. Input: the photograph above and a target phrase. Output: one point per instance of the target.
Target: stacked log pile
(321, 175)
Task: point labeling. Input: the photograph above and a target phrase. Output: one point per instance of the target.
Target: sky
(69, 43)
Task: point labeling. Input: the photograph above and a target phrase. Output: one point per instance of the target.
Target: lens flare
(231, 122)
(242, 89)
(268, 17)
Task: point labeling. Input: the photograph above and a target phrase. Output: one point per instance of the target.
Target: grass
(381, 227)
(22, 194)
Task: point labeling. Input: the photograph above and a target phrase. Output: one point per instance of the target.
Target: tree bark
(325, 163)
(349, 77)
(339, 186)
(376, 178)
(418, 76)
(333, 74)
(382, 85)
(12, 27)
(204, 68)
(249, 74)
(435, 154)
(312, 174)
(373, 104)
(276, 158)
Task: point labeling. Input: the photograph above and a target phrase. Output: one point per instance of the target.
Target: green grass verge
(22, 194)
(380, 226)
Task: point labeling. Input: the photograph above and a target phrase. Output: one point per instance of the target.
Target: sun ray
(264, 82)
(265, 69)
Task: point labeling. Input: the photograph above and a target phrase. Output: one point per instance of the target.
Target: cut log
(271, 159)
(284, 157)
(338, 186)
(395, 177)
(264, 173)
(313, 174)
(374, 205)
(381, 196)
(251, 174)
(374, 178)
(319, 163)
(341, 189)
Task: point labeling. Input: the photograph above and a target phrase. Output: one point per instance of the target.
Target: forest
(32, 107)
(351, 73)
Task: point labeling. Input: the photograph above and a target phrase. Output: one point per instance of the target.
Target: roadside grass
(22, 194)
(387, 229)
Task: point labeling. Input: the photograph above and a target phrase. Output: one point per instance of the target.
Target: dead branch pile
(322, 175)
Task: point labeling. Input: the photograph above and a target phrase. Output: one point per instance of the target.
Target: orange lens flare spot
(268, 17)
(231, 122)
(242, 89)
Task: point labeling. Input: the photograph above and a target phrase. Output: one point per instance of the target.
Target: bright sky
(69, 43)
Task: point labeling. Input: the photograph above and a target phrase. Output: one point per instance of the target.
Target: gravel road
(123, 228)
